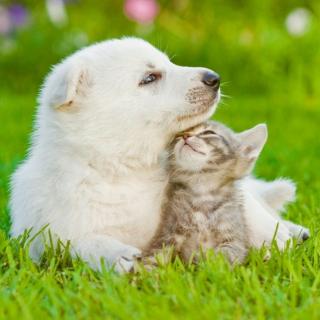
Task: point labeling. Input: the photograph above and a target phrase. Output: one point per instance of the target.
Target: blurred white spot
(144, 29)
(298, 21)
(71, 41)
(80, 39)
(246, 37)
(57, 12)
(7, 46)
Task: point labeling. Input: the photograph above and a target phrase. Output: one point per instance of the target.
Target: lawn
(287, 286)
(270, 76)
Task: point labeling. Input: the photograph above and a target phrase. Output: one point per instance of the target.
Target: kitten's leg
(235, 252)
(96, 247)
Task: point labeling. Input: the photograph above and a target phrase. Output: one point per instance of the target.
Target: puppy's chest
(140, 213)
(129, 209)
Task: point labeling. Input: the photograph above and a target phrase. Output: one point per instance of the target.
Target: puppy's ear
(251, 145)
(64, 86)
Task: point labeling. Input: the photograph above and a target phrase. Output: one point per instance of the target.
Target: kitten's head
(212, 147)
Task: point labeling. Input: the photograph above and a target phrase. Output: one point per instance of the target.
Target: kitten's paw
(150, 261)
(145, 263)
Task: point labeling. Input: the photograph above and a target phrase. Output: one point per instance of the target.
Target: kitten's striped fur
(204, 208)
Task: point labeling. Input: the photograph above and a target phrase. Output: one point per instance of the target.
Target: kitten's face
(212, 147)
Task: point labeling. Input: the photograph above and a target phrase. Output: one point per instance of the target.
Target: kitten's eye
(151, 77)
(208, 132)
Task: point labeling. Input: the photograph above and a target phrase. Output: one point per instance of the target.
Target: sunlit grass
(286, 286)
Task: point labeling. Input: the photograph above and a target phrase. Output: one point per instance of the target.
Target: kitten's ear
(251, 144)
(253, 140)
(65, 84)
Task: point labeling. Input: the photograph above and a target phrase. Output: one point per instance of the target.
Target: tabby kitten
(203, 207)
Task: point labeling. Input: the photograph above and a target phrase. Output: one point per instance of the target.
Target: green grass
(287, 286)
(273, 77)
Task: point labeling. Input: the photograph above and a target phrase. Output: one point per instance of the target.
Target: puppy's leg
(95, 248)
(262, 225)
(298, 231)
(278, 193)
(275, 195)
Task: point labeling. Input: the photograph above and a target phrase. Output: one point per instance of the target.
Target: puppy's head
(128, 96)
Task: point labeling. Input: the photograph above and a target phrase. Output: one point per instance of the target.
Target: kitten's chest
(199, 220)
(203, 213)
(198, 231)
(198, 223)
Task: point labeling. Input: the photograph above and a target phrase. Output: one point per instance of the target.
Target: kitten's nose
(185, 136)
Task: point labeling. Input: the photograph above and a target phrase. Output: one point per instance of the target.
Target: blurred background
(256, 46)
(267, 53)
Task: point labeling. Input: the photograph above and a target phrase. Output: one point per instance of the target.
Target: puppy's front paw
(126, 259)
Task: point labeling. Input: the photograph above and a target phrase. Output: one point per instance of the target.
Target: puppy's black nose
(211, 79)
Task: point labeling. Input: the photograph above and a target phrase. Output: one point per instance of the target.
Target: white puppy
(93, 172)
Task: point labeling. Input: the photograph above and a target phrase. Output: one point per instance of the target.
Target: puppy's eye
(151, 77)
(208, 132)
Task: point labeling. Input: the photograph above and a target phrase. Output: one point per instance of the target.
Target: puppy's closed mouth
(202, 109)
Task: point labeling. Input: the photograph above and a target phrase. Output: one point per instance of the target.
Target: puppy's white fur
(273, 196)
(93, 172)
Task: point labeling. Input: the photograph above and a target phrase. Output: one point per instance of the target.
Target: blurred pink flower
(141, 11)
(5, 21)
